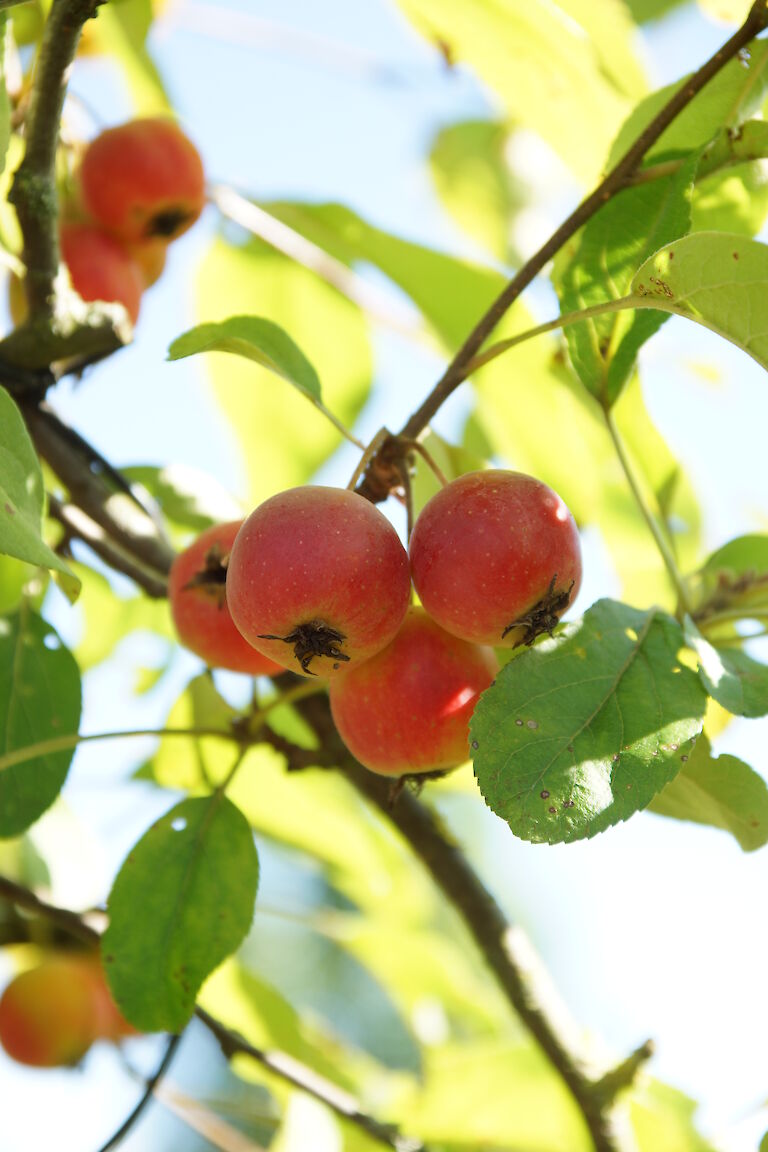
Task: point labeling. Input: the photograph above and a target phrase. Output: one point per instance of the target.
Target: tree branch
(33, 192)
(278, 1063)
(133, 1117)
(615, 181)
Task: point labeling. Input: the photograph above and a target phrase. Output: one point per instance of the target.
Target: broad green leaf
(21, 497)
(190, 499)
(497, 1096)
(255, 339)
(599, 266)
(121, 30)
(582, 731)
(6, 45)
(181, 903)
(39, 700)
(721, 791)
(561, 68)
(662, 1119)
(728, 99)
(735, 680)
(716, 279)
(13, 576)
(474, 182)
(328, 327)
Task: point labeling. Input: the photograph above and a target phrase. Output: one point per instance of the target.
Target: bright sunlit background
(654, 928)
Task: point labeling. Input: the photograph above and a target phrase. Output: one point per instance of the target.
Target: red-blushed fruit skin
(202, 620)
(150, 255)
(318, 554)
(100, 269)
(408, 708)
(143, 179)
(484, 551)
(50, 1015)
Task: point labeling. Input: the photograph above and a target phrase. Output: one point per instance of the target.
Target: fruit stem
(683, 605)
(429, 459)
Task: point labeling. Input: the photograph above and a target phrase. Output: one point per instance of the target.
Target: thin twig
(133, 1118)
(617, 178)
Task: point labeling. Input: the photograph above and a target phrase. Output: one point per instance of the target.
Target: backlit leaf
(582, 731)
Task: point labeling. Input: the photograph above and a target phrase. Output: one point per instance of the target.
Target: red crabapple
(143, 179)
(318, 579)
(50, 1015)
(495, 558)
(197, 594)
(407, 709)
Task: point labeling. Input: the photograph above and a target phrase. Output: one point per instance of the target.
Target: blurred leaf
(39, 700)
(474, 182)
(108, 618)
(582, 731)
(645, 10)
(729, 11)
(28, 20)
(190, 499)
(495, 1096)
(255, 339)
(6, 45)
(729, 98)
(599, 265)
(662, 1120)
(743, 554)
(736, 681)
(13, 575)
(257, 1010)
(21, 497)
(121, 30)
(563, 69)
(282, 439)
(181, 903)
(717, 280)
(195, 764)
(734, 200)
(721, 791)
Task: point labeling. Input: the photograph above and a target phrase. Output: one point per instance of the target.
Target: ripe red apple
(197, 594)
(407, 709)
(495, 558)
(318, 580)
(143, 179)
(50, 1015)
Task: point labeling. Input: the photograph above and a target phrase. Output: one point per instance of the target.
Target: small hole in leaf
(179, 824)
(52, 642)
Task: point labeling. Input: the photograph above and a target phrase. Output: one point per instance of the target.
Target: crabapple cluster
(51, 1014)
(139, 186)
(316, 581)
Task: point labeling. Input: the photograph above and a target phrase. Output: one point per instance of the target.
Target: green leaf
(121, 30)
(494, 1095)
(21, 497)
(600, 265)
(662, 1119)
(717, 280)
(325, 324)
(39, 700)
(256, 339)
(107, 618)
(195, 764)
(564, 68)
(474, 183)
(582, 731)
(721, 791)
(728, 99)
(735, 680)
(743, 554)
(6, 45)
(181, 903)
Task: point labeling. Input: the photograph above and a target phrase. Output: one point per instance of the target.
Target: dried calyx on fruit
(197, 593)
(495, 558)
(318, 580)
